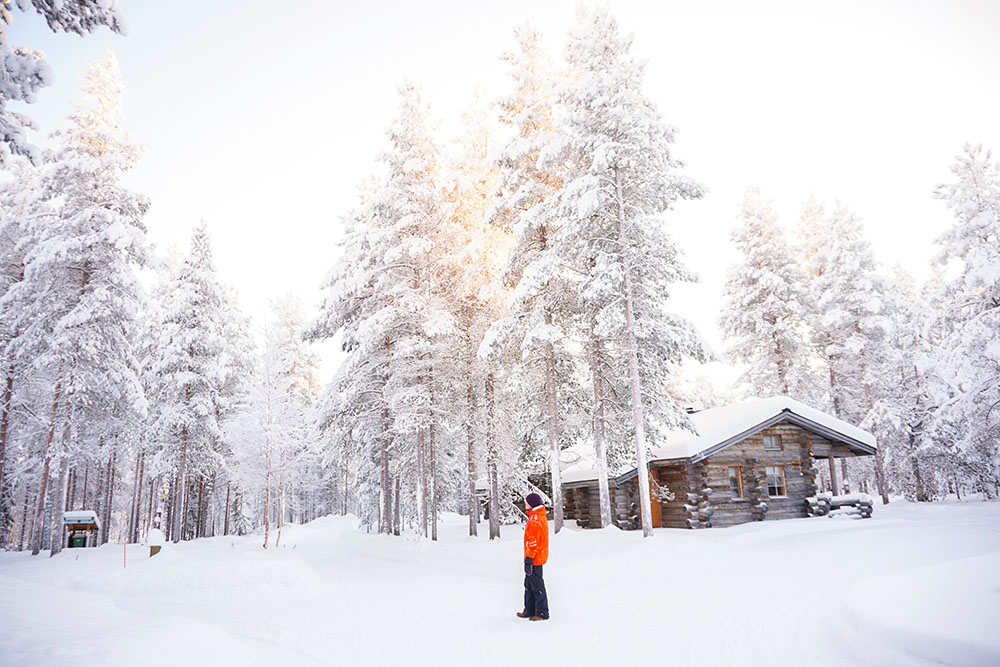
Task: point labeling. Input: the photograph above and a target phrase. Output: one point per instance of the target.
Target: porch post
(834, 483)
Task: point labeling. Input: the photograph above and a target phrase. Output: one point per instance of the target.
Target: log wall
(702, 497)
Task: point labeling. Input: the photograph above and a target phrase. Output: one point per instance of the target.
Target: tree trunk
(834, 392)
(39, 521)
(645, 509)
(346, 474)
(883, 488)
(470, 458)
(421, 492)
(491, 458)
(186, 488)
(434, 483)
(70, 489)
(600, 442)
(201, 507)
(6, 495)
(58, 529)
(281, 510)
(396, 517)
(25, 516)
(138, 496)
(169, 526)
(385, 522)
(83, 493)
(133, 506)
(225, 526)
(177, 522)
(149, 515)
(553, 430)
(106, 528)
(267, 497)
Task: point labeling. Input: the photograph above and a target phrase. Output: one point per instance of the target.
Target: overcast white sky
(262, 117)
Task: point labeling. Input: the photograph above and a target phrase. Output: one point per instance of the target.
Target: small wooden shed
(747, 462)
(81, 529)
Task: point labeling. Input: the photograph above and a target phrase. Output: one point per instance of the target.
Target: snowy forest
(502, 304)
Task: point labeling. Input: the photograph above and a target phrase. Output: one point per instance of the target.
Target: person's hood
(537, 511)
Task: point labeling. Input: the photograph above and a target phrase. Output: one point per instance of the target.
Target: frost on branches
(970, 356)
(25, 71)
(763, 317)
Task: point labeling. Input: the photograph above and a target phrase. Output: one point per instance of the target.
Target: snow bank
(917, 585)
(946, 613)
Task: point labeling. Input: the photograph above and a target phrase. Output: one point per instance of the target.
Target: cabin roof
(719, 428)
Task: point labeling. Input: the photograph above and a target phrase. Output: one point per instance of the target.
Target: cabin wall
(582, 504)
(752, 458)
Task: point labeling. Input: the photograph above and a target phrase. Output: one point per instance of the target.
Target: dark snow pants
(536, 602)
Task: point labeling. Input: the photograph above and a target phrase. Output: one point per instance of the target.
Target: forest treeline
(502, 305)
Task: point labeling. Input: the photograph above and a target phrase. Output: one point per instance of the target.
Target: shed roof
(81, 517)
(719, 428)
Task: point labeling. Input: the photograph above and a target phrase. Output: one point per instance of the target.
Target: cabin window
(736, 481)
(775, 480)
(772, 442)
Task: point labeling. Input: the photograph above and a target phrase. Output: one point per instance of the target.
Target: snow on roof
(81, 516)
(720, 427)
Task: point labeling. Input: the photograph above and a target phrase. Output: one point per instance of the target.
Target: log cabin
(748, 462)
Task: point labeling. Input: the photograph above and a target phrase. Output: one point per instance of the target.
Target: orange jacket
(536, 537)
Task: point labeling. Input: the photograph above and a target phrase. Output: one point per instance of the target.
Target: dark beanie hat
(534, 500)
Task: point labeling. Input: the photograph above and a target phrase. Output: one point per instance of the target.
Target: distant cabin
(81, 528)
(748, 462)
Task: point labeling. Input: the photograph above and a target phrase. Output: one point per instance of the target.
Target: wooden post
(834, 484)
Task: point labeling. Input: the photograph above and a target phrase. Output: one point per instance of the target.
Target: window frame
(739, 482)
(772, 438)
(784, 482)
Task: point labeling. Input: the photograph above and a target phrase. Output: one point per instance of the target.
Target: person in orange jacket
(536, 552)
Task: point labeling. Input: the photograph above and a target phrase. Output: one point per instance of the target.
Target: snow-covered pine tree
(350, 411)
(79, 326)
(25, 71)
(540, 294)
(407, 242)
(907, 395)
(971, 351)
(762, 313)
(19, 202)
(387, 297)
(850, 328)
(620, 175)
(189, 373)
(477, 258)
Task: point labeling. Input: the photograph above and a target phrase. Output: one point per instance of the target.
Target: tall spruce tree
(190, 371)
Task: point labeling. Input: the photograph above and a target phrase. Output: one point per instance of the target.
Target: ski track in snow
(916, 585)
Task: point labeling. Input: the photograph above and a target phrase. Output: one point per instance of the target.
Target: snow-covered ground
(916, 585)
